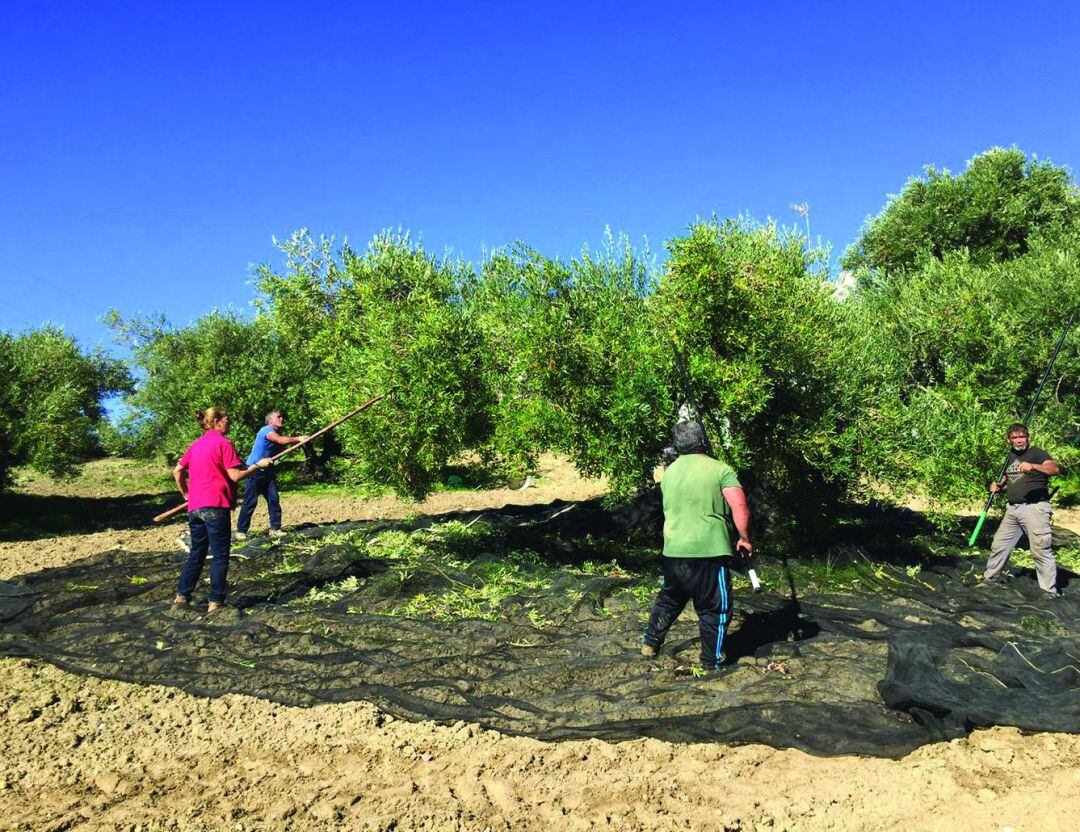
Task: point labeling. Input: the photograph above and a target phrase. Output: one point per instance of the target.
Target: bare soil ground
(86, 754)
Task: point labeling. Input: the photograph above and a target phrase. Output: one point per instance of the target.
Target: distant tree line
(960, 286)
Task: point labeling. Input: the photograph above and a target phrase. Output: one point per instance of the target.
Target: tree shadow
(891, 534)
(33, 516)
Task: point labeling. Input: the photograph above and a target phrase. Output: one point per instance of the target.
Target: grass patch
(111, 477)
(478, 595)
(1041, 625)
(105, 494)
(331, 490)
(330, 593)
(1066, 558)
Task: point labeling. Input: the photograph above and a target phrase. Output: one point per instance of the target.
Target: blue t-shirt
(263, 447)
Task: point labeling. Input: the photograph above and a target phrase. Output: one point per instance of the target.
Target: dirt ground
(86, 754)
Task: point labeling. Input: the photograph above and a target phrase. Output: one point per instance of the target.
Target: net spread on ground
(528, 619)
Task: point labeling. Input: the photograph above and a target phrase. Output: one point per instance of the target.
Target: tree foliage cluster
(965, 283)
(221, 357)
(993, 210)
(389, 318)
(962, 283)
(51, 397)
(528, 355)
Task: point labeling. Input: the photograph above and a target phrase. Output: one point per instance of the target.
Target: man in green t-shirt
(703, 500)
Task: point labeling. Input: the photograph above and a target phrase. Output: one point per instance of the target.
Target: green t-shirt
(697, 518)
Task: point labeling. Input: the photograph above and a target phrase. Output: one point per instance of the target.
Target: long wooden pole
(166, 514)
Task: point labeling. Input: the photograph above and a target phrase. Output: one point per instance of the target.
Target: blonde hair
(206, 418)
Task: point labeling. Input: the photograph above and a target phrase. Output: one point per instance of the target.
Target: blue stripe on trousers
(720, 618)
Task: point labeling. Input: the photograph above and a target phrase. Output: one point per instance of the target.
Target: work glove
(265, 462)
(302, 438)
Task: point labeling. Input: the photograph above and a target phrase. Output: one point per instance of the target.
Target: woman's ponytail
(206, 418)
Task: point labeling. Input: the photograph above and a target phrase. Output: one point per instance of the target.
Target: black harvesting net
(527, 620)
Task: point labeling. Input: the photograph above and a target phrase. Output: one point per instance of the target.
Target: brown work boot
(214, 606)
(649, 650)
(179, 601)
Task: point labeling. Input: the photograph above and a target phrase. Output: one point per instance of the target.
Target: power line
(16, 308)
(64, 291)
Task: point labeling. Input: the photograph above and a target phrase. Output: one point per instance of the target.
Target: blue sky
(148, 152)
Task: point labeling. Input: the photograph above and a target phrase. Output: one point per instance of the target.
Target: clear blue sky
(149, 151)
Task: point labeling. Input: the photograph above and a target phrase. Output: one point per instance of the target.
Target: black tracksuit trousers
(707, 581)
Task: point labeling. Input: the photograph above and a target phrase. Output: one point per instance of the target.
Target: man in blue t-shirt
(264, 481)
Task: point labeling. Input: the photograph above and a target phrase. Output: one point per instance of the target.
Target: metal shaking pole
(1027, 418)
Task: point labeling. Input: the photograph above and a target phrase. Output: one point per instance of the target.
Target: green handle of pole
(978, 528)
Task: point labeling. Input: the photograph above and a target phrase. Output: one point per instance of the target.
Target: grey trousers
(1034, 520)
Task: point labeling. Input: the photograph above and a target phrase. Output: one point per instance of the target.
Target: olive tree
(992, 210)
(221, 359)
(390, 318)
(52, 399)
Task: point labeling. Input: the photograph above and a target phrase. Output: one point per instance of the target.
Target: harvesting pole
(1027, 418)
(751, 573)
(688, 391)
(166, 514)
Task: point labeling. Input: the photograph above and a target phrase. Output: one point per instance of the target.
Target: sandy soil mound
(85, 754)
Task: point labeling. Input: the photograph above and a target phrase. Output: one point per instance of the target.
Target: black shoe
(1055, 594)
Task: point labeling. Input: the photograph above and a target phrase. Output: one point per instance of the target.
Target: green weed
(643, 593)
(485, 586)
(329, 593)
(539, 620)
(1066, 558)
(290, 563)
(1043, 626)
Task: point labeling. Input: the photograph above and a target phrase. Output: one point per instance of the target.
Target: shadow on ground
(32, 516)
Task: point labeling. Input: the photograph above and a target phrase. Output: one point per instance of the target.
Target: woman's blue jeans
(209, 532)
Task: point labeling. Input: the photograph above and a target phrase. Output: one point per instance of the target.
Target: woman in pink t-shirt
(206, 475)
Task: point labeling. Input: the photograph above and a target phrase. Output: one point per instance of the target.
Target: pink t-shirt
(207, 459)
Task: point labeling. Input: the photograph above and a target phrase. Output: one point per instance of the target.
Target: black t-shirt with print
(1031, 486)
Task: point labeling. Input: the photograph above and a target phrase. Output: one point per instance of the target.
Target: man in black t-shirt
(1026, 486)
